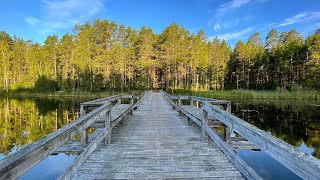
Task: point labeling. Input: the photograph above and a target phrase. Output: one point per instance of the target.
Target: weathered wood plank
(157, 144)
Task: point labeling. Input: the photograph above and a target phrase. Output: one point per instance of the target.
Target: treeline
(107, 56)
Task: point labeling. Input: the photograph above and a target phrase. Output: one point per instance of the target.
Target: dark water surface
(23, 121)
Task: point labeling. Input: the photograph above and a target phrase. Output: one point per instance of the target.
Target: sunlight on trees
(107, 56)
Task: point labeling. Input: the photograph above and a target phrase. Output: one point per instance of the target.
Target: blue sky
(231, 20)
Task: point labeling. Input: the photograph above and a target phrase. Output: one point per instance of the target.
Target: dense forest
(106, 56)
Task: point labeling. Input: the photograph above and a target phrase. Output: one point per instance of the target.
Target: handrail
(24, 159)
(239, 163)
(104, 100)
(16, 164)
(304, 165)
(105, 134)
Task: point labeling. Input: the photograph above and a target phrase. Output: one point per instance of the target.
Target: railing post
(82, 111)
(228, 108)
(227, 131)
(84, 136)
(203, 124)
(191, 101)
(108, 124)
(119, 100)
(179, 101)
(131, 102)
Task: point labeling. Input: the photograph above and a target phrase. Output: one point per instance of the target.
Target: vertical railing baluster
(109, 125)
(131, 103)
(84, 136)
(82, 111)
(204, 123)
(227, 131)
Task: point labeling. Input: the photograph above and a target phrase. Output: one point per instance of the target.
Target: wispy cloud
(237, 35)
(234, 4)
(299, 18)
(221, 18)
(32, 21)
(63, 14)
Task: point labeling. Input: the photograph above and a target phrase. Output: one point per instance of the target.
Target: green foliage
(107, 56)
(43, 84)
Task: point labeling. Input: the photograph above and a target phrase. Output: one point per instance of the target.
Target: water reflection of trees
(26, 121)
(293, 122)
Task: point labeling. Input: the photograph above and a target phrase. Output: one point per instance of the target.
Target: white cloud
(69, 8)
(234, 4)
(217, 27)
(237, 35)
(64, 14)
(32, 21)
(299, 18)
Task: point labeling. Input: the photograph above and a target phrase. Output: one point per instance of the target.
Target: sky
(232, 20)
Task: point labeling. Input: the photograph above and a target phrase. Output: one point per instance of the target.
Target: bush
(43, 84)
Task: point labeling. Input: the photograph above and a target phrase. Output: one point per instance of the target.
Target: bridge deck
(157, 143)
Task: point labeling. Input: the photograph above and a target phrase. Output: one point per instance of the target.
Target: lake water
(23, 121)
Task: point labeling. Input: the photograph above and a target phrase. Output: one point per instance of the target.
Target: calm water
(23, 121)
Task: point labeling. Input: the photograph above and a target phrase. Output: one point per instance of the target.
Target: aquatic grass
(68, 94)
(253, 94)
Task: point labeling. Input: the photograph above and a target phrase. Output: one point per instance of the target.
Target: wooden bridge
(158, 136)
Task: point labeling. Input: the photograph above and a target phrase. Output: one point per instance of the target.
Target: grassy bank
(71, 94)
(252, 94)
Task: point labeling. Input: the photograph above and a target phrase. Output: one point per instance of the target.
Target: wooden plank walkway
(157, 143)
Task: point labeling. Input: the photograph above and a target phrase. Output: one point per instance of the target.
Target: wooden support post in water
(108, 124)
(204, 121)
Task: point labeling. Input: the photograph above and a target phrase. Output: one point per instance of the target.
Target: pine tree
(65, 68)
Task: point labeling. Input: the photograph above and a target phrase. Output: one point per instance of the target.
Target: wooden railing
(304, 165)
(18, 163)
